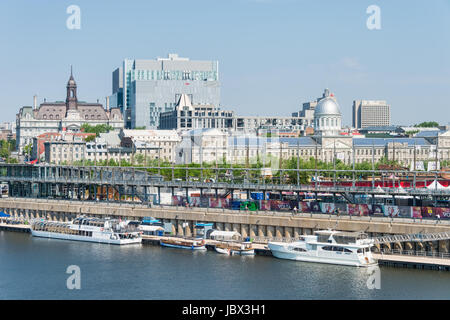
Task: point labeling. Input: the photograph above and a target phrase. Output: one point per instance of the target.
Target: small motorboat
(243, 249)
(195, 244)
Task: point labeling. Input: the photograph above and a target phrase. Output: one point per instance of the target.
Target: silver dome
(327, 106)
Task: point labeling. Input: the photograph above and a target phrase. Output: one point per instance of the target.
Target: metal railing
(140, 176)
(429, 254)
(416, 237)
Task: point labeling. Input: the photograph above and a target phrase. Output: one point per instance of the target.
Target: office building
(371, 113)
(187, 116)
(150, 87)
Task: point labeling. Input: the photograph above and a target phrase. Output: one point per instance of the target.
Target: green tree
(90, 138)
(100, 128)
(427, 124)
(139, 158)
(27, 149)
(4, 149)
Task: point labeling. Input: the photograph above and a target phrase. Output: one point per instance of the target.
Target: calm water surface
(35, 268)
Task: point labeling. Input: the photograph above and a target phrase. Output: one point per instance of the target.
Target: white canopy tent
(436, 185)
(149, 230)
(225, 235)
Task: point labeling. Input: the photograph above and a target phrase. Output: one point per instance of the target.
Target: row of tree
(280, 171)
(427, 124)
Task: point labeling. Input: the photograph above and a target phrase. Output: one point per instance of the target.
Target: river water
(35, 268)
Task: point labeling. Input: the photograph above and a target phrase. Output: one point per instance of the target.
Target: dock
(260, 249)
(412, 262)
(15, 227)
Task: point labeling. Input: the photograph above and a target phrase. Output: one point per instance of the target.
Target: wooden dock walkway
(15, 227)
(260, 249)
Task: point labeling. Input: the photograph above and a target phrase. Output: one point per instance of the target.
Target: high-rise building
(153, 86)
(371, 113)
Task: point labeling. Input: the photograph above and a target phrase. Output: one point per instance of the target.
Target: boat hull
(170, 245)
(243, 252)
(280, 252)
(223, 251)
(61, 236)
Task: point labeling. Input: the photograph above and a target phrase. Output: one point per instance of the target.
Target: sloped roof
(384, 141)
(428, 134)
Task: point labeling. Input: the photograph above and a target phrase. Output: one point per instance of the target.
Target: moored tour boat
(328, 246)
(111, 231)
(195, 244)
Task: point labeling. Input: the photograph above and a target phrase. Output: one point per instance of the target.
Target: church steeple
(71, 99)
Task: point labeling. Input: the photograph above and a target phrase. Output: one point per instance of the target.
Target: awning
(224, 235)
(4, 215)
(151, 228)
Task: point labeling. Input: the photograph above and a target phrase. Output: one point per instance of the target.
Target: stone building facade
(62, 116)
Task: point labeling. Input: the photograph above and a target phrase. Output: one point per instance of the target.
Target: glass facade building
(154, 86)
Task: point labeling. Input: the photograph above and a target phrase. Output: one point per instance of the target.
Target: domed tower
(71, 99)
(327, 116)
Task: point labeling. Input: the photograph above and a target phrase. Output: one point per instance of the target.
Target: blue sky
(273, 55)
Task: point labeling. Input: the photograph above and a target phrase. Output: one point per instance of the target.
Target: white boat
(243, 248)
(223, 250)
(109, 231)
(328, 246)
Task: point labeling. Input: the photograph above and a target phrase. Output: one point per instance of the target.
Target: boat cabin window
(299, 249)
(333, 248)
(347, 250)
